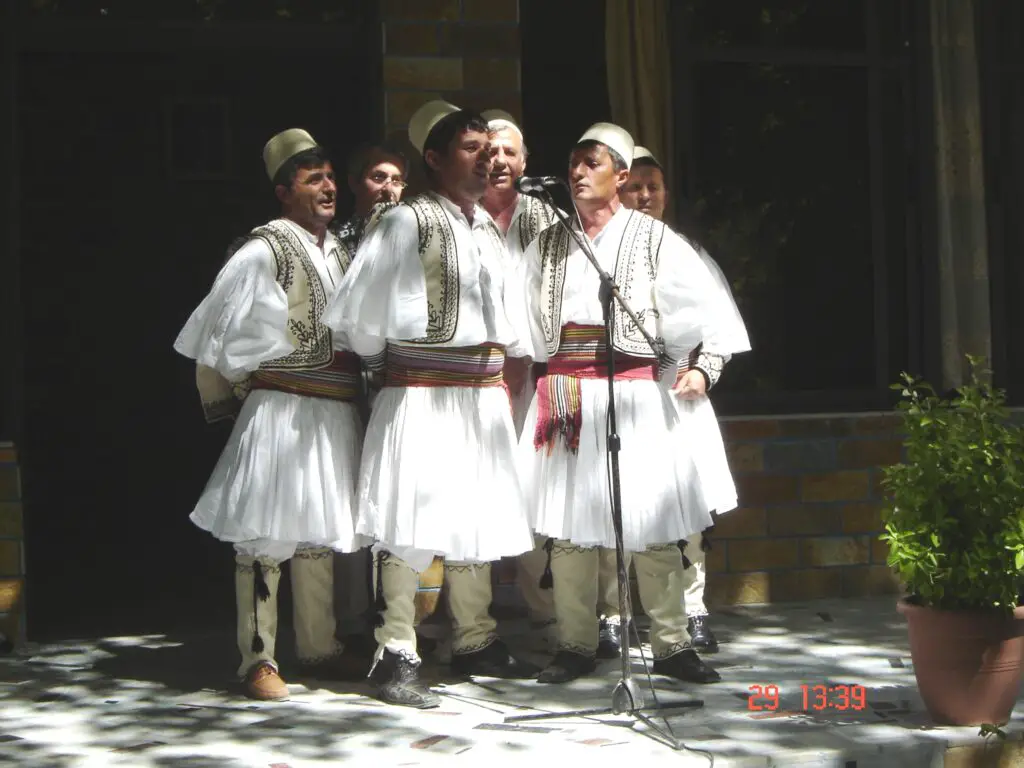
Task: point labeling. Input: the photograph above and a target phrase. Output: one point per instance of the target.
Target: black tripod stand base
(660, 707)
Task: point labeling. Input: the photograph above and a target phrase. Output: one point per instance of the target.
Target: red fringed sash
(582, 354)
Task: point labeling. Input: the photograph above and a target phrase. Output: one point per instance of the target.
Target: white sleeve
(243, 320)
(731, 336)
(529, 284)
(685, 295)
(384, 293)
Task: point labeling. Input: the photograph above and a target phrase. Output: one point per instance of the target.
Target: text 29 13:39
(814, 697)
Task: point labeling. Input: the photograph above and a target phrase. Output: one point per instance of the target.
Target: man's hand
(515, 372)
(690, 385)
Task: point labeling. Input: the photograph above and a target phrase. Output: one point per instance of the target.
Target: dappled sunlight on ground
(171, 701)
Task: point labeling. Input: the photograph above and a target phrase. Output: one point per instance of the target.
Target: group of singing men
(427, 379)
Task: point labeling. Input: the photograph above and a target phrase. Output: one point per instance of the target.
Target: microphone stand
(626, 697)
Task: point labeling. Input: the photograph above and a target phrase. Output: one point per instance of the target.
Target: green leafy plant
(954, 511)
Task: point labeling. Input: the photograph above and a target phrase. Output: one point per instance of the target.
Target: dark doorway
(138, 169)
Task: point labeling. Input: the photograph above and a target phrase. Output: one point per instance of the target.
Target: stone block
(761, 490)
(480, 40)
(879, 425)
(875, 490)
(10, 557)
(510, 101)
(844, 485)
(986, 753)
(806, 584)
(10, 594)
(763, 554)
(866, 453)
(490, 10)
(749, 429)
(742, 523)
(401, 105)
(491, 74)
(838, 550)
(804, 520)
(745, 457)
(11, 522)
(421, 10)
(423, 73)
(10, 483)
(800, 456)
(737, 589)
(862, 518)
(411, 39)
(869, 581)
(715, 558)
(879, 551)
(815, 427)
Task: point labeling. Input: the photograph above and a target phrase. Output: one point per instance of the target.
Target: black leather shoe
(608, 646)
(397, 681)
(425, 646)
(686, 666)
(566, 666)
(492, 661)
(701, 637)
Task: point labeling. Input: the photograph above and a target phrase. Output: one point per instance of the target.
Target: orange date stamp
(814, 698)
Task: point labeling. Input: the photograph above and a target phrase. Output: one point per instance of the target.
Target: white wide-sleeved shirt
(243, 320)
(685, 293)
(383, 297)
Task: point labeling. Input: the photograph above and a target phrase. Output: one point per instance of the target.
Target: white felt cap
(499, 119)
(283, 146)
(643, 152)
(425, 118)
(611, 136)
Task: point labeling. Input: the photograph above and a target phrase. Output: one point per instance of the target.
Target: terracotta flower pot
(967, 663)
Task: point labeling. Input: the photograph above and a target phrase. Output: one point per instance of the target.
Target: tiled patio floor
(168, 701)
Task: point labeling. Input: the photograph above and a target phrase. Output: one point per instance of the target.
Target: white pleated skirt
(287, 473)
(439, 474)
(717, 483)
(663, 500)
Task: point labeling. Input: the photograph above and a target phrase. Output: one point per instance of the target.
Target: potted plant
(954, 523)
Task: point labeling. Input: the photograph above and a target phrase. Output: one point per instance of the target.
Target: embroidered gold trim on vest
(536, 217)
(641, 239)
(299, 279)
(554, 253)
(439, 254)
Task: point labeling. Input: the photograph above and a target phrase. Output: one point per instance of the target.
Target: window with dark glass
(1000, 30)
(798, 161)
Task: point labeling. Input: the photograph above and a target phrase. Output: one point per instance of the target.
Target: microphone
(531, 185)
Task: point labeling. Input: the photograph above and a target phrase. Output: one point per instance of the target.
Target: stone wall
(464, 51)
(12, 550)
(809, 520)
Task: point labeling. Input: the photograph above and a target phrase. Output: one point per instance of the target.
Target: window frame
(913, 69)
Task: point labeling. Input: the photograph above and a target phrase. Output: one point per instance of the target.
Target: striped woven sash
(341, 380)
(431, 366)
(582, 354)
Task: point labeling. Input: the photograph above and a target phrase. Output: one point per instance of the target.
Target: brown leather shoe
(263, 683)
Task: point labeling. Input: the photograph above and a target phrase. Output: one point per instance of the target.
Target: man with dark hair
(284, 485)
(646, 191)
(425, 301)
(521, 218)
(564, 457)
(377, 178)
